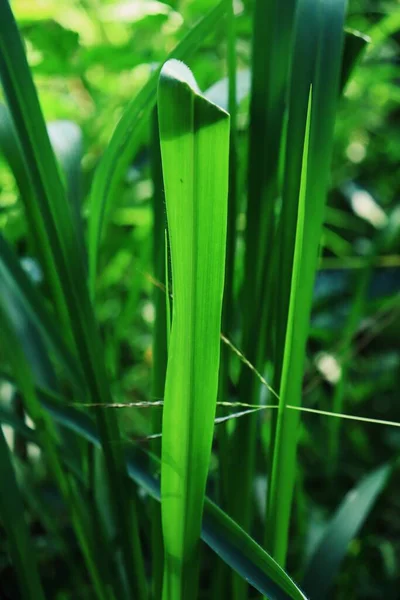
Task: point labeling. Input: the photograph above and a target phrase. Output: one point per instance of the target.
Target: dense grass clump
(199, 293)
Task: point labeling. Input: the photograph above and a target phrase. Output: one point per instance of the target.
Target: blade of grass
(221, 578)
(316, 63)
(196, 196)
(341, 529)
(124, 142)
(159, 343)
(289, 365)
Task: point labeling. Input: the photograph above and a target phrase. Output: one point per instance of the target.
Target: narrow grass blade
(342, 528)
(220, 532)
(196, 196)
(127, 135)
(281, 482)
(159, 342)
(13, 520)
(222, 573)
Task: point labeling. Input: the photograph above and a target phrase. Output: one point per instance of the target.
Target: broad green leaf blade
(220, 533)
(196, 197)
(13, 520)
(342, 528)
(245, 556)
(316, 63)
(127, 135)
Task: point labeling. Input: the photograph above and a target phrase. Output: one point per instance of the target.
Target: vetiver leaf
(196, 187)
(317, 63)
(124, 142)
(13, 520)
(342, 528)
(160, 345)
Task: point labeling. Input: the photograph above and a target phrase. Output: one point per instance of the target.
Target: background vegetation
(85, 321)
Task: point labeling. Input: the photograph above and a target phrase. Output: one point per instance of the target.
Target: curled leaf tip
(175, 70)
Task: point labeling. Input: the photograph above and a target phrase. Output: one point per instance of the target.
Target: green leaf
(341, 529)
(196, 191)
(127, 135)
(160, 345)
